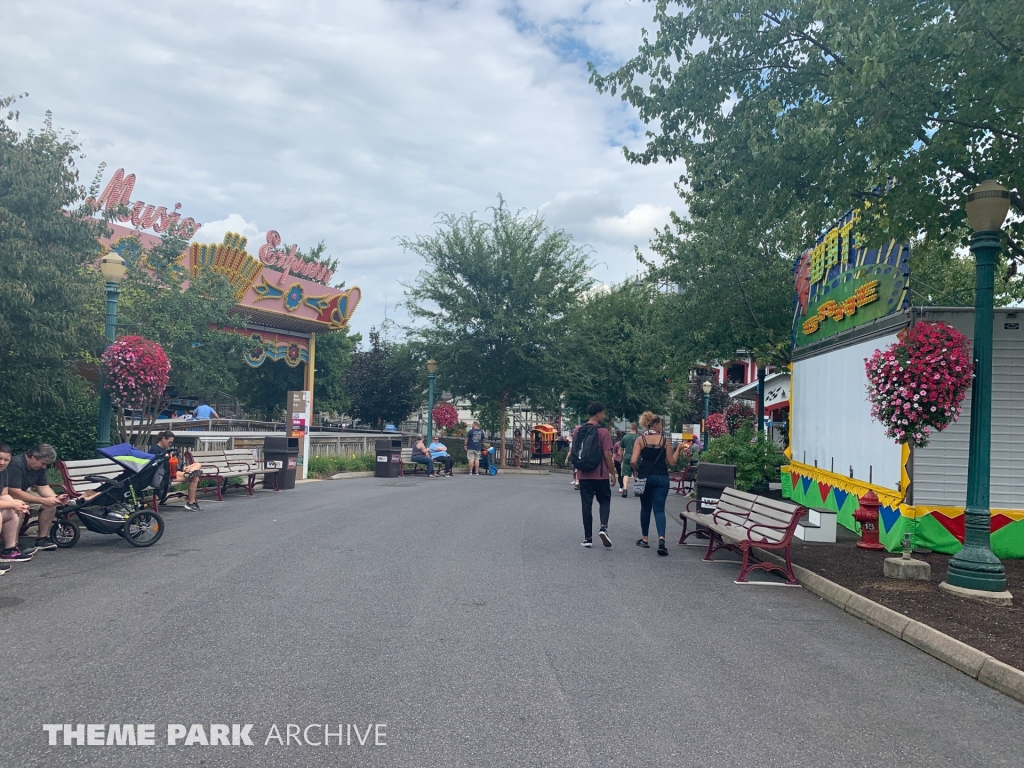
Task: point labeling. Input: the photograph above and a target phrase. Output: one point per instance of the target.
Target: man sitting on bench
(28, 470)
(11, 511)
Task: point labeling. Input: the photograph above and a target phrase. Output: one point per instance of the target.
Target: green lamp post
(431, 375)
(113, 268)
(706, 386)
(975, 567)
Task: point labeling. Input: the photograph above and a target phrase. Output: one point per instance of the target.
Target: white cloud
(214, 231)
(354, 122)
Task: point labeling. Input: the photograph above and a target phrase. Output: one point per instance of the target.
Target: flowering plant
(445, 415)
(715, 425)
(737, 414)
(919, 383)
(136, 371)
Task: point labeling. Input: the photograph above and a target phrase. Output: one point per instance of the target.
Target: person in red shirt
(597, 482)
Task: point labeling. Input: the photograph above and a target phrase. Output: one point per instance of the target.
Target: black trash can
(389, 457)
(281, 453)
(712, 479)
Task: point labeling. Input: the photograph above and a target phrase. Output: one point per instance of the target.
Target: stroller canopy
(127, 456)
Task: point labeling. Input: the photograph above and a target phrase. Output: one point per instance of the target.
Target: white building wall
(832, 421)
(940, 468)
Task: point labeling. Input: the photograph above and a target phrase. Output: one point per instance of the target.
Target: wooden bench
(78, 477)
(742, 521)
(217, 467)
(240, 458)
(407, 461)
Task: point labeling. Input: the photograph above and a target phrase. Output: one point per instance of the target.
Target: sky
(355, 122)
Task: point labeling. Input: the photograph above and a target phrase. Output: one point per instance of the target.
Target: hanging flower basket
(715, 425)
(445, 415)
(919, 383)
(135, 371)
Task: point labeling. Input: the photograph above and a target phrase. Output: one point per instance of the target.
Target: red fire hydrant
(867, 516)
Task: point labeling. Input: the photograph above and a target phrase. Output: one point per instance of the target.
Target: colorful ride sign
(841, 285)
(270, 296)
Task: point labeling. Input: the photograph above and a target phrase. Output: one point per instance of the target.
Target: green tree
(617, 353)
(186, 319)
(382, 382)
(800, 106)
(492, 304)
(48, 239)
(735, 288)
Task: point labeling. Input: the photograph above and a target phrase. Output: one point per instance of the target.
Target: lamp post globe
(975, 566)
(431, 374)
(113, 269)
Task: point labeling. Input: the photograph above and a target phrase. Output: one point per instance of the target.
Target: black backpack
(586, 449)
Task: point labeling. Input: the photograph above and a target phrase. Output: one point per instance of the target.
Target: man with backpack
(592, 458)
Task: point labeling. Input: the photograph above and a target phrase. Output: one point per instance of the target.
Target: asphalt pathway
(465, 616)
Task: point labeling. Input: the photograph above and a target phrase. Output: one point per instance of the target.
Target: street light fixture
(431, 374)
(975, 567)
(706, 386)
(113, 268)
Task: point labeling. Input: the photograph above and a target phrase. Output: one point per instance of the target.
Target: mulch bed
(998, 632)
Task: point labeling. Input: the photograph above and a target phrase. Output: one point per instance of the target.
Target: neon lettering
(142, 215)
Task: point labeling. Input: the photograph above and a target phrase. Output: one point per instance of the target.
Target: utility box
(712, 479)
(389, 457)
(282, 454)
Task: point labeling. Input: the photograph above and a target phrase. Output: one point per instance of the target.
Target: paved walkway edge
(458, 471)
(969, 660)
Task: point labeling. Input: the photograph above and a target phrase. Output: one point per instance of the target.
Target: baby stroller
(119, 507)
(487, 465)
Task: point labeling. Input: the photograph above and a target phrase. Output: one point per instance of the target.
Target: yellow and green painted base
(937, 528)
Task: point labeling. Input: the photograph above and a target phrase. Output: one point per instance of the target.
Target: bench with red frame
(682, 482)
(742, 521)
(225, 465)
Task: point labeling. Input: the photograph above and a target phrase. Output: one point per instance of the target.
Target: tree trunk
(503, 406)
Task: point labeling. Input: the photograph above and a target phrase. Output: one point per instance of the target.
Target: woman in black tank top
(653, 454)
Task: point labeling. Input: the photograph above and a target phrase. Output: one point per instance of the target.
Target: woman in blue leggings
(653, 454)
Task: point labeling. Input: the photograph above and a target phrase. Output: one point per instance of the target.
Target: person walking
(592, 458)
(653, 454)
(627, 457)
(474, 444)
(421, 455)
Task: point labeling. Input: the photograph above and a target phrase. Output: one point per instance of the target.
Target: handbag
(639, 486)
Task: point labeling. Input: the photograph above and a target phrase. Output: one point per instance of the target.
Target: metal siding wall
(832, 417)
(940, 469)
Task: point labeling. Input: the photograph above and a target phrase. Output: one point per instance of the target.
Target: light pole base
(1003, 599)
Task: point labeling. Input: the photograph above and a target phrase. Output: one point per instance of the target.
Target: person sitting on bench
(439, 454)
(421, 455)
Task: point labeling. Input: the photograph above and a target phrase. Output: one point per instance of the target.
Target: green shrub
(456, 449)
(325, 466)
(559, 457)
(757, 459)
(71, 432)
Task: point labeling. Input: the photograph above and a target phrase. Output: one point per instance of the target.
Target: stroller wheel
(143, 529)
(65, 534)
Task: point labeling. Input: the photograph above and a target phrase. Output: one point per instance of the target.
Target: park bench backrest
(240, 458)
(74, 472)
(734, 506)
(773, 520)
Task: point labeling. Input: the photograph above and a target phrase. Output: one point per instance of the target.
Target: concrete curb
(460, 471)
(967, 659)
